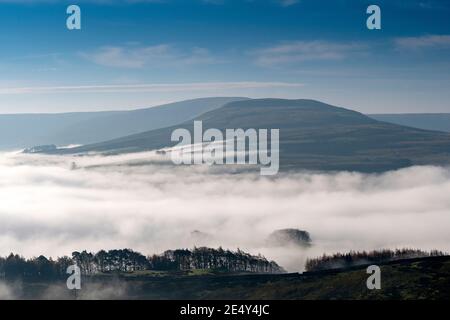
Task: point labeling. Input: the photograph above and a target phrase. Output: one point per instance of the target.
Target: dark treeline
(353, 258)
(126, 260)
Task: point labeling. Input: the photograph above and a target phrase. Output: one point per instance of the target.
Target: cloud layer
(46, 207)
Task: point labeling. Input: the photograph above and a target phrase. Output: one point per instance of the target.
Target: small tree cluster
(208, 258)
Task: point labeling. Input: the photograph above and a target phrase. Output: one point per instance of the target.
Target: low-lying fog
(54, 205)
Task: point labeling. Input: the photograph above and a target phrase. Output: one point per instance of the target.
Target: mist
(54, 205)
(6, 292)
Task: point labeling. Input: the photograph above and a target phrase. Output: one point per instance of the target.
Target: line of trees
(127, 260)
(354, 258)
(208, 258)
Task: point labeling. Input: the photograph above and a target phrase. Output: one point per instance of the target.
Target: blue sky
(139, 53)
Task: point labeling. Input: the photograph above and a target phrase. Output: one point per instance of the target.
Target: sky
(140, 53)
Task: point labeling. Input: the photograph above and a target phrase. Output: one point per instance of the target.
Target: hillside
(426, 121)
(19, 131)
(313, 135)
(422, 278)
(27, 130)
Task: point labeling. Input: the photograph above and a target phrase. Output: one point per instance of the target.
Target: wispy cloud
(213, 1)
(148, 56)
(300, 51)
(283, 3)
(106, 2)
(422, 42)
(287, 3)
(174, 87)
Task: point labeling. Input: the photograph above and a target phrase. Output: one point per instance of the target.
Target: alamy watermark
(374, 280)
(237, 146)
(73, 22)
(74, 280)
(374, 20)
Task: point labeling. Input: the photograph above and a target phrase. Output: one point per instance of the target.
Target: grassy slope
(423, 278)
(427, 278)
(427, 121)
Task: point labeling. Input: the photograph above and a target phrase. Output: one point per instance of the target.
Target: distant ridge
(313, 136)
(19, 131)
(427, 121)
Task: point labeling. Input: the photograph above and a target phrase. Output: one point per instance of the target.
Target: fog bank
(54, 205)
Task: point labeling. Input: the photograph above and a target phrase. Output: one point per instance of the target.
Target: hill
(19, 131)
(313, 136)
(426, 121)
(421, 278)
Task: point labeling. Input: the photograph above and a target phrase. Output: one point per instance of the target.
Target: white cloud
(422, 42)
(46, 208)
(173, 87)
(162, 55)
(122, 58)
(300, 51)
